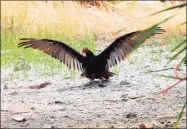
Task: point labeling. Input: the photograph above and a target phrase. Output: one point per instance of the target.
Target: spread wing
(56, 49)
(122, 46)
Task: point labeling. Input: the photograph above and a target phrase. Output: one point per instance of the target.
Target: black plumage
(91, 66)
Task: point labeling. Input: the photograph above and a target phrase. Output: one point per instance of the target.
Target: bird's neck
(89, 54)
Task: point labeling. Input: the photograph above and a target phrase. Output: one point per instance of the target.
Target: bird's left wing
(56, 49)
(122, 46)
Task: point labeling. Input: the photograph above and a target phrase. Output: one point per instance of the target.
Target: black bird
(91, 66)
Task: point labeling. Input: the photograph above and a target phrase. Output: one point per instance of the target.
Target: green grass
(173, 40)
(19, 27)
(11, 55)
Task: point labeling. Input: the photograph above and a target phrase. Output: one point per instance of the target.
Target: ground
(128, 99)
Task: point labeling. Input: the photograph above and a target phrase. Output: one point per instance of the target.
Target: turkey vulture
(91, 66)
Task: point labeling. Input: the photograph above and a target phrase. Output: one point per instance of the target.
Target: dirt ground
(127, 100)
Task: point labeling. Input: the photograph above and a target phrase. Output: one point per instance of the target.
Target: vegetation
(88, 27)
(182, 47)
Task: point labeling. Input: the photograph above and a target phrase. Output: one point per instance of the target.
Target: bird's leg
(100, 83)
(90, 82)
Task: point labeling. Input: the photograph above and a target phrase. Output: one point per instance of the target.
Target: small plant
(182, 47)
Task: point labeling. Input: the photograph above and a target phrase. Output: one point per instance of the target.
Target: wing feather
(56, 49)
(122, 46)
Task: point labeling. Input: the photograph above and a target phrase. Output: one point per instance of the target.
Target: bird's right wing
(56, 49)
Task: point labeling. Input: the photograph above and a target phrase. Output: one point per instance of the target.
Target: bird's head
(85, 50)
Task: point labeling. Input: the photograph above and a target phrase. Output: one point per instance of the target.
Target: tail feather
(110, 74)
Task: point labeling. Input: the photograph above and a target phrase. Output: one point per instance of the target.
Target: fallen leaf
(145, 126)
(39, 86)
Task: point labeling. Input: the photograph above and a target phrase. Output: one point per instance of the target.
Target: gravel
(127, 100)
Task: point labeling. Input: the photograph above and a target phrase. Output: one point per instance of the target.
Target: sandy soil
(127, 100)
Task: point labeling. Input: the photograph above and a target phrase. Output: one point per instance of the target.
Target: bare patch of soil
(127, 100)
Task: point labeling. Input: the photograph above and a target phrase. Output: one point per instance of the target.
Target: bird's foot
(101, 85)
(87, 84)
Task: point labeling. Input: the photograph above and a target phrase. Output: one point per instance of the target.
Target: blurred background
(82, 24)
(73, 18)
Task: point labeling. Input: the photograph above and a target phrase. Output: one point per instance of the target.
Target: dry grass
(71, 19)
(78, 25)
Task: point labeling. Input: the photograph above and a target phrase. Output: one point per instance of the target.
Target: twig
(168, 88)
(158, 70)
(179, 78)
